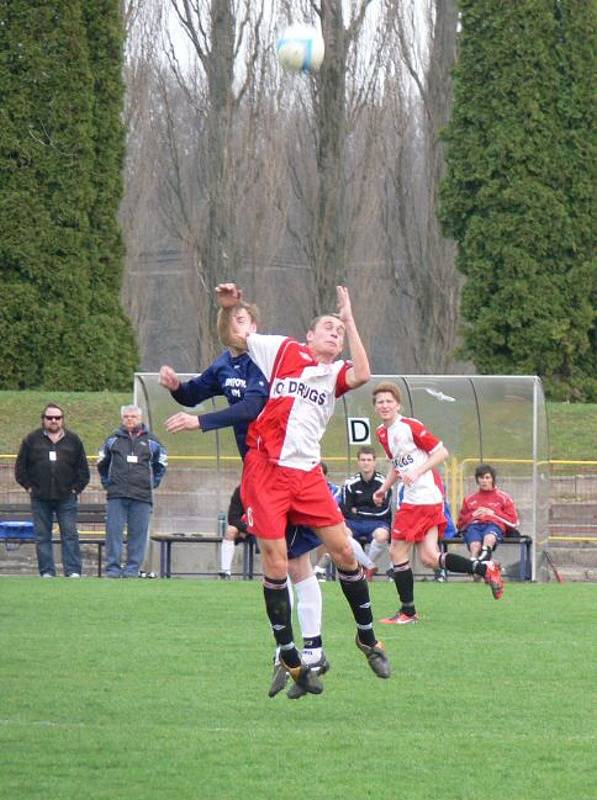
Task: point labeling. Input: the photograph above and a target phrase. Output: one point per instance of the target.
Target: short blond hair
(224, 319)
(390, 388)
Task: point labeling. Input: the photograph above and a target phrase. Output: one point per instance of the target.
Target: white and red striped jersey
(301, 400)
(408, 444)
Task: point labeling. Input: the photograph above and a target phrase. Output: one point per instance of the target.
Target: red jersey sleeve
(341, 385)
(382, 437)
(422, 437)
(508, 510)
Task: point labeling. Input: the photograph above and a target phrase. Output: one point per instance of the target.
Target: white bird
(440, 396)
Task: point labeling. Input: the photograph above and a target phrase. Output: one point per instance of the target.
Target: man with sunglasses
(52, 467)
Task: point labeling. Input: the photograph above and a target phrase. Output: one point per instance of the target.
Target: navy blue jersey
(240, 381)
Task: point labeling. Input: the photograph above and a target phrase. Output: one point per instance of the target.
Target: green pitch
(158, 689)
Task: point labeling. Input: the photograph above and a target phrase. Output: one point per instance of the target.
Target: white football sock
(360, 554)
(308, 606)
(226, 555)
(376, 550)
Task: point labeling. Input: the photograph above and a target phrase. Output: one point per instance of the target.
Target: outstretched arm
(243, 411)
(360, 372)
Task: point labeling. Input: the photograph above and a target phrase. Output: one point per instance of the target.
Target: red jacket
(502, 510)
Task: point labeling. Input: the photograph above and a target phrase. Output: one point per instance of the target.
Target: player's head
(367, 460)
(386, 400)
(242, 320)
(485, 476)
(325, 337)
(52, 418)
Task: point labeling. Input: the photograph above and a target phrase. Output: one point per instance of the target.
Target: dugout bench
(525, 543)
(19, 513)
(167, 541)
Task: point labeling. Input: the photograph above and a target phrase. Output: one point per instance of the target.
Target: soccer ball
(301, 48)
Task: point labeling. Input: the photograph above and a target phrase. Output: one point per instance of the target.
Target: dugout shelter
(499, 420)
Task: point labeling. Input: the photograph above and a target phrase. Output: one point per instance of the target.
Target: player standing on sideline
(282, 477)
(234, 375)
(414, 453)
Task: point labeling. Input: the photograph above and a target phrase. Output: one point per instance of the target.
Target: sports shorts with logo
(274, 496)
(412, 522)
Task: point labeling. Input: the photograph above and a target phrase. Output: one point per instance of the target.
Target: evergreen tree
(516, 195)
(61, 325)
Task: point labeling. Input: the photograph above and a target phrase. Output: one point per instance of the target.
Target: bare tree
(320, 224)
(291, 184)
(425, 284)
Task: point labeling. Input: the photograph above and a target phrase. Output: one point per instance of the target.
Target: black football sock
(485, 554)
(405, 586)
(277, 604)
(356, 591)
(456, 563)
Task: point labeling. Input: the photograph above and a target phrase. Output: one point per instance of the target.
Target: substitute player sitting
(368, 522)
(282, 478)
(486, 515)
(415, 452)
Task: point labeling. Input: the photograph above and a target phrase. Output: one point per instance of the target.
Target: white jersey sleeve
(263, 350)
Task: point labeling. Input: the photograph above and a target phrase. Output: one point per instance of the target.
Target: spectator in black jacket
(52, 467)
(131, 464)
(368, 523)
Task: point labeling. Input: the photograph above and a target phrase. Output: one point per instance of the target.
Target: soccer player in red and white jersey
(282, 478)
(415, 453)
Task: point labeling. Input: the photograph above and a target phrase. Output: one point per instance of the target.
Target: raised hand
(344, 305)
(228, 295)
(169, 378)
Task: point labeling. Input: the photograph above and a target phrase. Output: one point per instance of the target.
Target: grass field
(157, 689)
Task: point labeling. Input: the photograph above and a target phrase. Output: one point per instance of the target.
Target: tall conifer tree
(61, 325)
(516, 192)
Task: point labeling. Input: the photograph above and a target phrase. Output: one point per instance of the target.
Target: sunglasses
(51, 417)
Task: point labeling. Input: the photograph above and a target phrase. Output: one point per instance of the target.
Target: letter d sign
(359, 430)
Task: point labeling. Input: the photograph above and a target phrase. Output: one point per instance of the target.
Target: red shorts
(411, 523)
(274, 496)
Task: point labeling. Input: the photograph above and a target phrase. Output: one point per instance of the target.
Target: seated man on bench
(487, 515)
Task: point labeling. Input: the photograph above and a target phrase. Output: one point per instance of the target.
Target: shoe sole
(279, 681)
(394, 621)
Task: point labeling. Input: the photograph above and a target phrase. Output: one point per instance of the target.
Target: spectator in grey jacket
(51, 466)
(131, 464)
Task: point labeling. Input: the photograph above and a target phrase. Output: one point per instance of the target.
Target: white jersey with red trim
(408, 444)
(301, 400)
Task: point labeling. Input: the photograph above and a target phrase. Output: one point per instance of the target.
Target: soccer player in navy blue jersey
(235, 376)
(232, 375)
